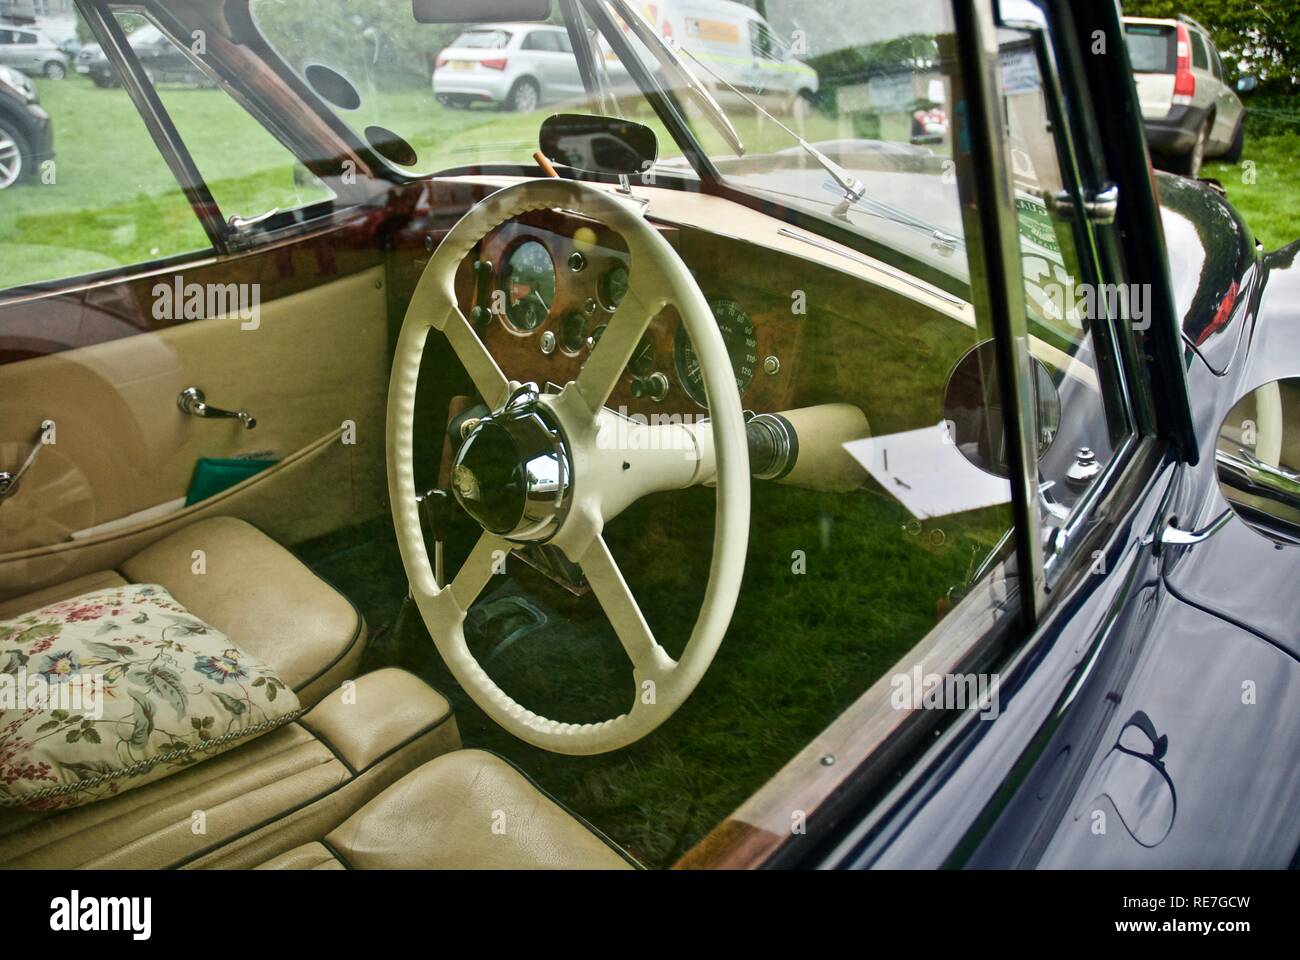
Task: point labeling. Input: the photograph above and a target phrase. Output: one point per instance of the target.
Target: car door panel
(123, 448)
(1224, 708)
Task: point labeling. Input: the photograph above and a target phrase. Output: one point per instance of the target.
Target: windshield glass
(841, 116)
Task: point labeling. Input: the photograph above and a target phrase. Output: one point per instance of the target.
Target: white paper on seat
(927, 474)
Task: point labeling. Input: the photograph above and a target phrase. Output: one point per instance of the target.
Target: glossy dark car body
(1153, 721)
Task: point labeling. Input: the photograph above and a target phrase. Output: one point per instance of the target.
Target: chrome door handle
(9, 480)
(193, 402)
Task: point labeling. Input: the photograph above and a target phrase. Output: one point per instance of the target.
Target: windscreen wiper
(854, 189)
(667, 56)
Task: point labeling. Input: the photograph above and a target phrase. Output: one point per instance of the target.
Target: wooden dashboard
(542, 330)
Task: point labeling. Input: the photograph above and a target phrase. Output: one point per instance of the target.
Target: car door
(1227, 106)
(542, 59)
(23, 51)
(568, 80)
(128, 280)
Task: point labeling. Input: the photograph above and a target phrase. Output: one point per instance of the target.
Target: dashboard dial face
(573, 331)
(742, 347)
(529, 285)
(613, 286)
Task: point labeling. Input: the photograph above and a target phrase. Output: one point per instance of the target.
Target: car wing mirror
(972, 409)
(1258, 459)
(1247, 83)
(595, 144)
(480, 11)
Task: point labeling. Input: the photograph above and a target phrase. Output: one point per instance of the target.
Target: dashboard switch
(653, 387)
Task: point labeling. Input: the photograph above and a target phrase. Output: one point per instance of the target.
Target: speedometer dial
(742, 347)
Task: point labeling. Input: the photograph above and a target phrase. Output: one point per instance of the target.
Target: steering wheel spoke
(473, 354)
(485, 561)
(606, 579)
(623, 333)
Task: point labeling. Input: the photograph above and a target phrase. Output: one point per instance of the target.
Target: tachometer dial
(742, 347)
(529, 285)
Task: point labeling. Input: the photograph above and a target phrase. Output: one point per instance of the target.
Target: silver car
(517, 66)
(1189, 111)
(32, 52)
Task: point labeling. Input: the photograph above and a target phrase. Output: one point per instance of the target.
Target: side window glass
(1200, 59)
(247, 170)
(83, 188)
(1215, 65)
(1082, 413)
(452, 91)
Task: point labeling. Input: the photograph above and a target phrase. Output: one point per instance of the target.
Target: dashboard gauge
(613, 286)
(742, 347)
(643, 357)
(573, 331)
(529, 285)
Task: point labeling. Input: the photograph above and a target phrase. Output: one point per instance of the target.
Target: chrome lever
(237, 222)
(193, 402)
(1172, 535)
(9, 481)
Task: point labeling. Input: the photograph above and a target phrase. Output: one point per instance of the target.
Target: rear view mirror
(1246, 83)
(972, 407)
(598, 144)
(1258, 459)
(479, 11)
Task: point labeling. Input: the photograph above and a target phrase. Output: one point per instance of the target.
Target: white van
(736, 43)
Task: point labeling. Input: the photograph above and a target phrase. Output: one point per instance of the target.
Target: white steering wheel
(556, 468)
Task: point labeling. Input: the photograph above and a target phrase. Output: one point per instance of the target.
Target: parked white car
(518, 66)
(1189, 112)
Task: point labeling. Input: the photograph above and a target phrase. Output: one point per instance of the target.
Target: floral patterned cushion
(118, 687)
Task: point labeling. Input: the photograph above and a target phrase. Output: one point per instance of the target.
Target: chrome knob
(653, 387)
(513, 474)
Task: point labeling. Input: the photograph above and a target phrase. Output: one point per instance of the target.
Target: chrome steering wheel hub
(513, 474)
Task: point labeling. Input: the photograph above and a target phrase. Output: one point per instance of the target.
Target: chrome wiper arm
(854, 189)
(666, 53)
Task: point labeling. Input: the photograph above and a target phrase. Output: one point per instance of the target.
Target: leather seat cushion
(254, 802)
(464, 810)
(251, 589)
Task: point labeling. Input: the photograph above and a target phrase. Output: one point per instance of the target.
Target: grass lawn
(1268, 193)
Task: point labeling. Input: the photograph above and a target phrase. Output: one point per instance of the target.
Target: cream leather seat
(256, 801)
(370, 776)
(252, 589)
(464, 810)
